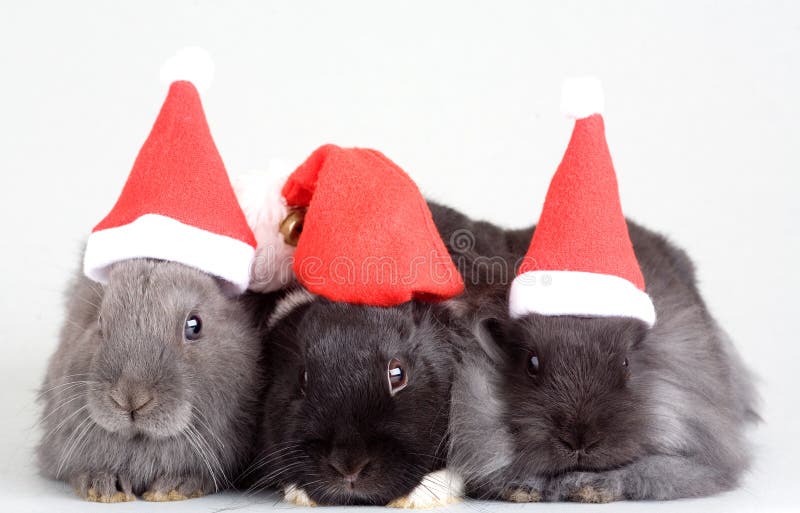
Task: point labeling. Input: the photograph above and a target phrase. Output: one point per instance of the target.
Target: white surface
(581, 97)
(191, 63)
(702, 118)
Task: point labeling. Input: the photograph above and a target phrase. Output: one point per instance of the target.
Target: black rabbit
(357, 411)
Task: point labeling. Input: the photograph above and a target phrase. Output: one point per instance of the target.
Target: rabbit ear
(635, 331)
(292, 300)
(492, 336)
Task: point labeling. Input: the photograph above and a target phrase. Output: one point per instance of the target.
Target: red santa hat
(178, 203)
(581, 261)
(367, 236)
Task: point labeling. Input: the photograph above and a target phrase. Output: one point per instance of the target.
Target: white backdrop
(702, 117)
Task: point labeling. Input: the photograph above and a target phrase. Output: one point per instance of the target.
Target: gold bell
(292, 226)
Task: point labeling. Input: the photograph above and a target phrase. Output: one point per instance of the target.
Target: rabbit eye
(397, 376)
(192, 328)
(533, 365)
(625, 363)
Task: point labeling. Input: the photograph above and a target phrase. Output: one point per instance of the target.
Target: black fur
(346, 417)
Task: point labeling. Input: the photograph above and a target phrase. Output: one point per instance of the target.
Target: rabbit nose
(578, 439)
(569, 443)
(350, 471)
(130, 400)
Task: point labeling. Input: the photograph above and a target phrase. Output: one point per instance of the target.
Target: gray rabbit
(153, 388)
(598, 409)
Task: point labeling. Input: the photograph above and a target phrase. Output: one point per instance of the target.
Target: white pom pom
(581, 97)
(259, 194)
(191, 63)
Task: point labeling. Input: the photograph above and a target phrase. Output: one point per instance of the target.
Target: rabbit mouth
(352, 495)
(155, 417)
(597, 461)
(338, 494)
(347, 491)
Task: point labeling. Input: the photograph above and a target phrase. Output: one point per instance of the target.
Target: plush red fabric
(179, 174)
(368, 235)
(582, 227)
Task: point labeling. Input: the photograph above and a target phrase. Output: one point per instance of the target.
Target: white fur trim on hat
(581, 97)
(578, 293)
(164, 238)
(259, 195)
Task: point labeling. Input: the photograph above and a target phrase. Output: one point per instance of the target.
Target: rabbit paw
(437, 489)
(103, 487)
(521, 494)
(527, 490)
(168, 489)
(589, 487)
(297, 496)
(594, 495)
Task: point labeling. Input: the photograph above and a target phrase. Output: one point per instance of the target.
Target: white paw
(437, 489)
(297, 496)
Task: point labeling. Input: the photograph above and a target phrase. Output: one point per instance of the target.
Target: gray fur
(676, 427)
(126, 338)
(479, 443)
